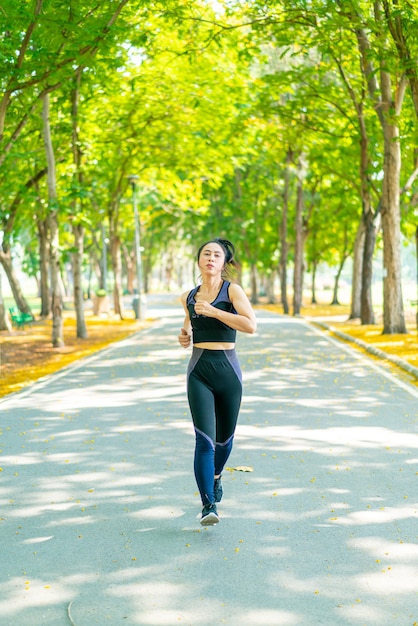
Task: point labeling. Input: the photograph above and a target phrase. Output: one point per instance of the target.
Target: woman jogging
(215, 310)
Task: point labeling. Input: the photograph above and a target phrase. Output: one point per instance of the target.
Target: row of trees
(289, 127)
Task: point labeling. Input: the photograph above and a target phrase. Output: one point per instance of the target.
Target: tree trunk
(91, 270)
(98, 259)
(299, 241)
(369, 228)
(56, 303)
(78, 229)
(314, 266)
(254, 286)
(271, 298)
(357, 271)
(130, 264)
(117, 273)
(21, 303)
(4, 319)
(78, 232)
(366, 305)
(103, 261)
(56, 293)
(388, 108)
(344, 256)
(44, 266)
(393, 314)
(147, 268)
(335, 300)
(284, 246)
(168, 273)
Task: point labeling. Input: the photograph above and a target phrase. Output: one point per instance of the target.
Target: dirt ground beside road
(27, 354)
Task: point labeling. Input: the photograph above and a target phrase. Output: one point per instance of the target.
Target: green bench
(19, 319)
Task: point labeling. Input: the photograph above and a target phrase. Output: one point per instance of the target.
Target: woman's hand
(204, 308)
(184, 338)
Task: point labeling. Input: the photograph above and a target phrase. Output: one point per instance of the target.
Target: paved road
(100, 513)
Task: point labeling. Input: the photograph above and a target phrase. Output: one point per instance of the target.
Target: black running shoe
(217, 489)
(209, 515)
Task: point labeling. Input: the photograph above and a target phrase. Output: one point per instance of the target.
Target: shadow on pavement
(99, 508)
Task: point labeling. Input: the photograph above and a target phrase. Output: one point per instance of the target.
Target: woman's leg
(228, 396)
(214, 392)
(202, 407)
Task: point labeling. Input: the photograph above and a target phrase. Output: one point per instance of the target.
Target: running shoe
(217, 489)
(209, 515)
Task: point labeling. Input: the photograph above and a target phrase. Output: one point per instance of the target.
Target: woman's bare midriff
(214, 345)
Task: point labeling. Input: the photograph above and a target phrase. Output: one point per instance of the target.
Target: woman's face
(212, 258)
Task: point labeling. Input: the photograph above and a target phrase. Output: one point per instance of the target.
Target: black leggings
(214, 391)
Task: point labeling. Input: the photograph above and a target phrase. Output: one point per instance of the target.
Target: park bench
(19, 319)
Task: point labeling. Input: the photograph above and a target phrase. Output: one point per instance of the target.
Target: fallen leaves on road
(404, 346)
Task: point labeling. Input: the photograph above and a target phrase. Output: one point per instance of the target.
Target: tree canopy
(288, 127)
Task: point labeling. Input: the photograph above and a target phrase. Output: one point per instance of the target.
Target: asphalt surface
(99, 511)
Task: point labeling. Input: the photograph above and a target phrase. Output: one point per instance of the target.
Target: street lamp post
(139, 312)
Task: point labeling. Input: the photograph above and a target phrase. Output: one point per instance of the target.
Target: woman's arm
(244, 321)
(185, 336)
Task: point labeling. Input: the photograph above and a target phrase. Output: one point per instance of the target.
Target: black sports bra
(209, 328)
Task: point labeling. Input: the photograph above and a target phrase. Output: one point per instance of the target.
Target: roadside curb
(371, 349)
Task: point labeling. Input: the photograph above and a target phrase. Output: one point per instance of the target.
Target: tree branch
(12, 210)
(368, 71)
(24, 120)
(396, 30)
(28, 34)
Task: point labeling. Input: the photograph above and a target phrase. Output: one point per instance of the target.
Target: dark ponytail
(228, 248)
